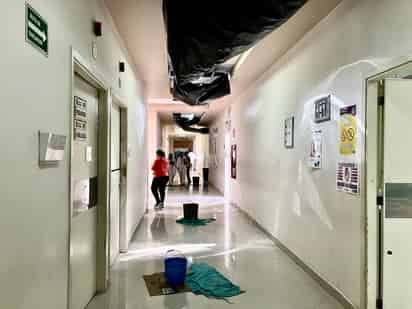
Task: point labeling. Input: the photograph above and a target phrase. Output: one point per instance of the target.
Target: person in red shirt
(160, 172)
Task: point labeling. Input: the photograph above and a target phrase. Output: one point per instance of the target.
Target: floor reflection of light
(162, 250)
(229, 255)
(227, 240)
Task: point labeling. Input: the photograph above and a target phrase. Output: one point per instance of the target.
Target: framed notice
(289, 132)
(233, 161)
(348, 178)
(80, 119)
(322, 109)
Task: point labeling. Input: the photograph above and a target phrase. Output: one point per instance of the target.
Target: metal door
(84, 170)
(397, 188)
(115, 184)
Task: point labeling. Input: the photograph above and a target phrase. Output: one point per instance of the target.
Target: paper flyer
(347, 130)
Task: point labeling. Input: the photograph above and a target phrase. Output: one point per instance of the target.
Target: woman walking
(160, 172)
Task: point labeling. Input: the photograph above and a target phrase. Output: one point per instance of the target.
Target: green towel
(206, 280)
(195, 222)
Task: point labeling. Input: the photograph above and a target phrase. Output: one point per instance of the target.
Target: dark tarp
(202, 35)
(187, 124)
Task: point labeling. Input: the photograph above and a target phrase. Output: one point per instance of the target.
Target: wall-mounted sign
(80, 119)
(323, 109)
(347, 130)
(289, 132)
(348, 178)
(315, 155)
(37, 30)
(233, 160)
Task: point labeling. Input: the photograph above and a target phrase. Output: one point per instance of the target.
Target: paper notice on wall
(315, 155)
(348, 130)
(348, 178)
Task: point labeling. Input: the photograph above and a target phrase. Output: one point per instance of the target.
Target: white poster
(348, 178)
(315, 155)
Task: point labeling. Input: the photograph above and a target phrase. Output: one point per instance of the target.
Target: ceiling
(140, 23)
(165, 111)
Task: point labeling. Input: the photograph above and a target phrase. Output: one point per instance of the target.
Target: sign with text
(315, 156)
(348, 130)
(348, 178)
(322, 109)
(37, 30)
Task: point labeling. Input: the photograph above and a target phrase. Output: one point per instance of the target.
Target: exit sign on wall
(37, 30)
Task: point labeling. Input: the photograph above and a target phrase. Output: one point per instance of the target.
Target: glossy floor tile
(232, 244)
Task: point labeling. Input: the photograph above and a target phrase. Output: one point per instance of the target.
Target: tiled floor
(232, 244)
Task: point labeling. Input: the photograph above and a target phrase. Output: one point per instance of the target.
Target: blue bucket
(175, 268)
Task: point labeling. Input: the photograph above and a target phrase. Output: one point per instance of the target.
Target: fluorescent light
(187, 116)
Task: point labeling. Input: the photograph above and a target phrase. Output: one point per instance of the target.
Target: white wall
(36, 95)
(298, 206)
(217, 159)
(153, 139)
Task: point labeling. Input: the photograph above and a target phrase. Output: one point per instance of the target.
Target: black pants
(159, 188)
(189, 181)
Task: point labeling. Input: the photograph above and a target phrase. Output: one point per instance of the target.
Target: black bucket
(196, 181)
(205, 175)
(190, 211)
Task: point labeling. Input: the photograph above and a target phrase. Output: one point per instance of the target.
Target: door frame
(397, 68)
(124, 155)
(82, 68)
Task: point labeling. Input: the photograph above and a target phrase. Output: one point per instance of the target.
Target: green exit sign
(37, 30)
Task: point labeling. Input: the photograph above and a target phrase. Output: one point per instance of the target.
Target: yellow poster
(347, 130)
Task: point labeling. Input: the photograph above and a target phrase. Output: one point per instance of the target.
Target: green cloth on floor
(197, 222)
(206, 280)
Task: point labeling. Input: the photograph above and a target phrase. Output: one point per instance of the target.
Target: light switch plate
(89, 154)
(94, 50)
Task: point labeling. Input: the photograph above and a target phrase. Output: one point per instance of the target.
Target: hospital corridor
(200, 154)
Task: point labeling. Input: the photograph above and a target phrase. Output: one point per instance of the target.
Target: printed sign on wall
(80, 119)
(315, 155)
(289, 132)
(347, 130)
(348, 178)
(233, 159)
(37, 30)
(322, 109)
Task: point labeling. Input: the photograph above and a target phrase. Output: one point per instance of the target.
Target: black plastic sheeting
(203, 35)
(187, 124)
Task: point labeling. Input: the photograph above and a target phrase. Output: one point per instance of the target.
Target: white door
(115, 184)
(397, 222)
(84, 207)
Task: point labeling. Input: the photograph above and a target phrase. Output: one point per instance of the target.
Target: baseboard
(137, 226)
(330, 288)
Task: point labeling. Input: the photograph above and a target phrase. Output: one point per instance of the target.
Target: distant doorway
(181, 145)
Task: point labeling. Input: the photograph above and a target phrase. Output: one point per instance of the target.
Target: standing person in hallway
(180, 165)
(172, 169)
(188, 166)
(192, 157)
(160, 178)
